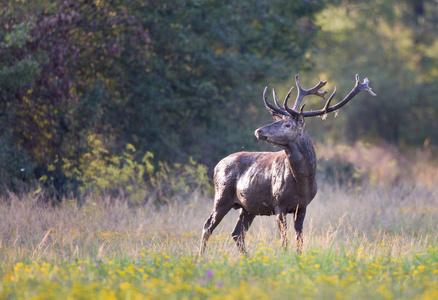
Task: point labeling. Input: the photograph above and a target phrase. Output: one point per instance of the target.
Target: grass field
(371, 242)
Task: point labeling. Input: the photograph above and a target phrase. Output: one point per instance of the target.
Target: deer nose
(259, 134)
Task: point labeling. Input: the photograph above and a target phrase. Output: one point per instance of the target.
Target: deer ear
(277, 117)
(300, 120)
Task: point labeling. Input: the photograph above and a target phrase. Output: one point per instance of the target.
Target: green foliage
(100, 171)
(183, 79)
(18, 36)
(16, 167)
(19, 75)
(396, 50)
(173, 78)
(17, 70)
(179, 181)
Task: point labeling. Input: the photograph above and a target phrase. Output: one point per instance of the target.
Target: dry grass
(384, 165)
(403, 219)
(378, 240)
(401, 214)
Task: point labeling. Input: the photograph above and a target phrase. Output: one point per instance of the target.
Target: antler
(279, 111)
(302, 92)
(327, 108)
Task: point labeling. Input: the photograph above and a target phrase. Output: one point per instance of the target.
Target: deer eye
(287, 125)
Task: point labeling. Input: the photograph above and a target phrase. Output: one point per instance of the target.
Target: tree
(394, 44)
(172, 78)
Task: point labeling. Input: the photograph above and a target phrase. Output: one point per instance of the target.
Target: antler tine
(327, 104)
(274, 95)
(364, 86)
(275, 111)
(302, 107)
(327, 108)
(286, 107)
(288, 94)
(302, 92)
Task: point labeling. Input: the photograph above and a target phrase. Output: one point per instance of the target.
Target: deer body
(264, 183)
(272, 183)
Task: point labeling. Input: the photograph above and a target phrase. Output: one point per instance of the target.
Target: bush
(101, 172)
(363, 163)
(338, 171)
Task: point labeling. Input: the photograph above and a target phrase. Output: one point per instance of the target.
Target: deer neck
(301, 158)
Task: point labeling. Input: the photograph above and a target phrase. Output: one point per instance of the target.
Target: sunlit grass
(376, 240)
(266, 273)
(374, 243)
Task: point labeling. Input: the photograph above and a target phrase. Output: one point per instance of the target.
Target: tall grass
(379, 236)
(402, 217)
(378, 165)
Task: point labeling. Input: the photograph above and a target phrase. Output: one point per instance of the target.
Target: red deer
(273, 183)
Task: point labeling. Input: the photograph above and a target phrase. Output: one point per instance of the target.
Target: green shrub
(101, 172)
(176, 182)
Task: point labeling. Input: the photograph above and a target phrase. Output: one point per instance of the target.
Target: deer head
(290, 121)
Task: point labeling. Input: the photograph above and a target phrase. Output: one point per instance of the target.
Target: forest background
(143, 98)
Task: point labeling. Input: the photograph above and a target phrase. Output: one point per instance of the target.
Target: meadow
(375, 238)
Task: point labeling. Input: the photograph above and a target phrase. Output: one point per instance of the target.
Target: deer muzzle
(259, 134)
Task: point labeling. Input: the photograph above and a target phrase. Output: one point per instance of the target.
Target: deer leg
(300, 214)
(242, 226)
(216, 216)
(282, 229)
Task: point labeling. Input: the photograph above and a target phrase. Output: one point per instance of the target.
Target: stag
(273, 183)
